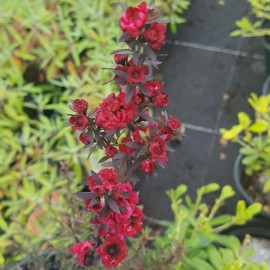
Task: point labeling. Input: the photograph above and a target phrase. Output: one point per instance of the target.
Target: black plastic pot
(266, 86)
(265, 40)
(256, 227)
(237, 174)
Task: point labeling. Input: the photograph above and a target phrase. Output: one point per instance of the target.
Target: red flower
(147, 166)
(120, 58)
(161, 100)
(154, 87)
(174, 123)
(139, 134)
(111, 151)
(136, 74)
(126, 187)
(84, 138)
(165, 131)
(124, 148)
(113, 113)
(81, 249)
(108, 178)
(97, 207)
(113, 251)
(80, 105)
(157, 150)
(138, 97)
(134, 225)
(133, 198)
(134, 19)
(78, 121)
(155, 35)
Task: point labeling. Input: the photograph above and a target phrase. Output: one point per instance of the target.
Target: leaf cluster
(253, 136)
(51, 52)
(191, 240)
(254, 26)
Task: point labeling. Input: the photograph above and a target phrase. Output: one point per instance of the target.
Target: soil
(254, 188)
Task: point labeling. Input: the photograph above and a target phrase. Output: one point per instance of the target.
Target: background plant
(257, 24)
(193, 240)
(253, 137)
(47, 59)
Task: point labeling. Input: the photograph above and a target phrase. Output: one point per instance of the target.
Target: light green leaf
(231, 133)
(244, 119)
(259, 126)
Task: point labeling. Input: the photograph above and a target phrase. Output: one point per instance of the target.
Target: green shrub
(253, 27)
(51, 51)
(191, 241)
(253, 137)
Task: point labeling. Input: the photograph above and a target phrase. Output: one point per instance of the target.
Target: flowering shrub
(133, 129)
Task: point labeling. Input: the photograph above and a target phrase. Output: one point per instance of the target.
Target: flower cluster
(133, 129)
(114, 113)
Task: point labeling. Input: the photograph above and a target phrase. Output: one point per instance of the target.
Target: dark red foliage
(133, 129)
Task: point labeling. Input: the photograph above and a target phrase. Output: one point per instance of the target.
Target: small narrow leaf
(86, 195)
(150, 53)
(130, 94)
(125, 37)
(160, 164)
(119, 80)
(166, 117)
(119, 156)
(103, 159)
(121, 51)
(169, 148)
(143, 89)
(123, 6)
(133, 145)
(91, 151)
(113, 205)
(107, 164)
(110, 133)
(90, 134)
(147, 117)
(93, 201)
(120, 73)
(96, 178)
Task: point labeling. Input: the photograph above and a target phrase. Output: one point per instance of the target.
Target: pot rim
(264, 42)
(265, 89)
(237, 180)
(256, 227)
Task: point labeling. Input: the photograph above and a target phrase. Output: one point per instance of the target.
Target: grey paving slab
(185, 166)
(209, 22)
(195, 81)
(253, 46)
(208, 85)
(219, 169)
(248, 77)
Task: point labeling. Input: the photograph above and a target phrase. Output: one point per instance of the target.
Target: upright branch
(133, 128)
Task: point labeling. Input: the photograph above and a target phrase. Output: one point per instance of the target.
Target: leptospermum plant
(133, 128)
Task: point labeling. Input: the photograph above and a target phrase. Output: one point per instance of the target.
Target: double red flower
(112, 251)
(155, 35)
(114, 113)
(133, 20)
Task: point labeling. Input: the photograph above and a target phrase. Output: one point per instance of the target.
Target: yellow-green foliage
(253, 136)
(51, 52)
(247, 27)
(191, 242)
